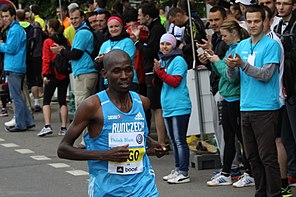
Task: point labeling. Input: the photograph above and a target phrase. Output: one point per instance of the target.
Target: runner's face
(120, 76)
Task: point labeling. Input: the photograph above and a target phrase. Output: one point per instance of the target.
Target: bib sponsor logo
(127, 127)
(139, 139)
(131, 169)
(114, 117)
(119, 169)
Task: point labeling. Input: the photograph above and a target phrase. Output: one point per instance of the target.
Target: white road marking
(59, 165)
(77, 172)
(2, 140)
(24, 151)
(10, 145)
(40, 157)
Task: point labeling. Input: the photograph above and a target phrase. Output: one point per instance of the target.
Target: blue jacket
(14, 49)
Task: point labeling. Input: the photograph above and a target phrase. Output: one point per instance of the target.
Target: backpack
(97, 43)
(29, 41)
(62, 65)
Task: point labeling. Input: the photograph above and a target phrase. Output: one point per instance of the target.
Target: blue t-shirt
(83, 41)
(126, 45)
(258, 95)
(133, 178)
(175, 101)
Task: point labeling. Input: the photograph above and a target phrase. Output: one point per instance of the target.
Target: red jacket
(47, 59)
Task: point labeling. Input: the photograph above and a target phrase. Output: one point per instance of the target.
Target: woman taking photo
(52, 79)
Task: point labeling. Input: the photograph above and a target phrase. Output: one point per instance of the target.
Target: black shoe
(37, 108)
(14, 129)
(31, 126)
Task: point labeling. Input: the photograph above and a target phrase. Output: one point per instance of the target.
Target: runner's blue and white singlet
(134, 177)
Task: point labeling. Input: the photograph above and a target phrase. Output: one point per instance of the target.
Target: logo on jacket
(139, 116)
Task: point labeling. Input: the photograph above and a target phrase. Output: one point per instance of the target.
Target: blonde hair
(232, 25)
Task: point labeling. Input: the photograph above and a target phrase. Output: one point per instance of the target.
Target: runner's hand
(117, 154)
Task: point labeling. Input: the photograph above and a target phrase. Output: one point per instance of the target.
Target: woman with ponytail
(52, 79)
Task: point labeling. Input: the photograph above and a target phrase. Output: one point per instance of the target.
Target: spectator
(282, 154)
(148, 15)
(286, 30)
(35, 10)
(52, 79)
(179, 18)
(102, 18)
(176, 104)
(231, 34)
(256, 63)
(14, 50)
(63, 12)
(119, 39)
(85, 75)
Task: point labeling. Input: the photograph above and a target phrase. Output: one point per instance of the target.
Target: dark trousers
(231, 127)
(289, 136)
(259, 132)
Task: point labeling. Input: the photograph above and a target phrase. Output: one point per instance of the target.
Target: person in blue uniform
(117, 135)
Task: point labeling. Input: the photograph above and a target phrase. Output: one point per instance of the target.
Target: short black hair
(105, 12)
(109, 59)
(35, 9)
(130, 14)
(219, 9)
(256, 8)
(174, 11)
(269, 12)
(10, 9)
(149, 9)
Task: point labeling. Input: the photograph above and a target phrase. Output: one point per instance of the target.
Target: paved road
(29, 167)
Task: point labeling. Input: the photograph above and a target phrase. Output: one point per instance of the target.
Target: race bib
(134, 164)
(251, 59)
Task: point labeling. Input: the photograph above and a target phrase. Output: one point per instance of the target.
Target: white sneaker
(10, 123)
(62, 132)
(244, 181)
(219, 179)
(44, 131)
(173, 174)
(180, 178)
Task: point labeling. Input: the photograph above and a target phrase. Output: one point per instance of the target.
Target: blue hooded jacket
(14, 49)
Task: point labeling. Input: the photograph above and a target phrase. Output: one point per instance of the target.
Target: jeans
(289, 136)
(177, 129)
(23, 116)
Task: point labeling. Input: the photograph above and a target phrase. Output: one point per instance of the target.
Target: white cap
(72, 6)
(246, 2)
